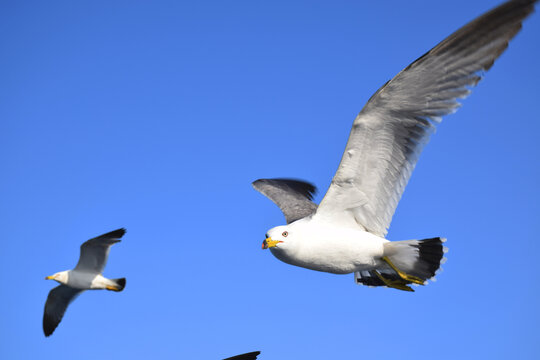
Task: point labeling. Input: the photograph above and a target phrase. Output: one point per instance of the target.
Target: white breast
(324, 247)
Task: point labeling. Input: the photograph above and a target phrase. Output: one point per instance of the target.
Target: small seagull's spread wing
(56, 305)
(389, 133)
(247, 356)
(292, 196)
(94, 252)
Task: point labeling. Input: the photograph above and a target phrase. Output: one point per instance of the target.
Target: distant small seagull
(247, 356)
(346, 232)
(85, 276)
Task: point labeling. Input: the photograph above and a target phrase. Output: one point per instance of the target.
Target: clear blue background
(157, 115)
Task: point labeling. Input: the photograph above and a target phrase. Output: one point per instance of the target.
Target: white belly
(333, 250)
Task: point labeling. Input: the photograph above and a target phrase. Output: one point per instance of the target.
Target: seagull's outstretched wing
(247, 356)
(292, 196)
(56, 305)
(94, 252)
(390, 131)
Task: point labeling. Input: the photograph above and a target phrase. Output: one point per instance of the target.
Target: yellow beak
(268, 243)
(49, 278)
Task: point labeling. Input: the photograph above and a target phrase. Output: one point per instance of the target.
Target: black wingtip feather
(118, 233)
(48, 325)
(115, 234)
(247, 356)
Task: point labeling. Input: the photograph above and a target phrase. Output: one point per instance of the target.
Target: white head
(276, 237)
(286, 242)
(289, 240)
(61, 277)
(287, 237)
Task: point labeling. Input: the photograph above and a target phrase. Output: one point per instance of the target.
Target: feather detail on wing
(388, 135)
(293, 197)
(94, 252)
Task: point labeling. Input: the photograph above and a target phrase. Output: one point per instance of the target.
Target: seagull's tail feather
(419, 258)
(120, 284)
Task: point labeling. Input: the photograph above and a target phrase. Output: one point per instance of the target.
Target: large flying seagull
(346, 232)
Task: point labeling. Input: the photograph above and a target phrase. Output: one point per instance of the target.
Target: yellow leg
(395, 284)
(404, 276)
(113, 288)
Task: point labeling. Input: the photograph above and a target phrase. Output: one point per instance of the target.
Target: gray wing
(57, 302)
(94, 252)
(247, 356)
(292, 196)
(388, 135)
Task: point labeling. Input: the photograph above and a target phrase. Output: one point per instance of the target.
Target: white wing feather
(95, 252)
(388, 135)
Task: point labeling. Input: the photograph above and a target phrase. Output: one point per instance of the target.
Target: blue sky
(157, 115)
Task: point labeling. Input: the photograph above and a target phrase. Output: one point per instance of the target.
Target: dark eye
(284, 234)
(266, 236)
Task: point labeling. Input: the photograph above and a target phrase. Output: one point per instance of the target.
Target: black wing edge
(247, 356)
(115, 235)
(54, 313)
(521, 9)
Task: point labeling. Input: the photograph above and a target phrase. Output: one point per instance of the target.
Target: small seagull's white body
(321, 246)
(84, 280)
(85, 276)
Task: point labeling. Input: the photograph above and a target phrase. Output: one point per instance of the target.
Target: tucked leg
(403, 275)
(395, 284)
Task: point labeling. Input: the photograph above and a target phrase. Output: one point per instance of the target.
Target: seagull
(346, 232)
(247, 356)
(85, 276)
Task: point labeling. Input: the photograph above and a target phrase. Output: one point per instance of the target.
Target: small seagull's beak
(268, 243)
(49, 278)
